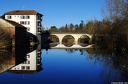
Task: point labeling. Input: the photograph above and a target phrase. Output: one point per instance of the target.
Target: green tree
(71, 27)
(76, 28)
(89, 27)
(53, 29)
(62, 29)
(66, 28)
(116, 9)
(81, 25)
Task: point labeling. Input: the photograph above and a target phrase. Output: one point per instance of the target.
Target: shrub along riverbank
(112, 31)
(113, 36)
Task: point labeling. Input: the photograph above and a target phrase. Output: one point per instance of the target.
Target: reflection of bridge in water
(61, 46)
(76, 38)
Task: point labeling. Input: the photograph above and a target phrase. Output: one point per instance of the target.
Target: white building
(31, 19)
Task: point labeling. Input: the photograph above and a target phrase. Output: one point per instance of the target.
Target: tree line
(69, 28)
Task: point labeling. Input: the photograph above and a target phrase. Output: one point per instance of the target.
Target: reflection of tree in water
(115, 65)
(4, 55)
(71, 50)
(7, 60)
(83, 52)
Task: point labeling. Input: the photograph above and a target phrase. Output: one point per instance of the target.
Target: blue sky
(58, 12)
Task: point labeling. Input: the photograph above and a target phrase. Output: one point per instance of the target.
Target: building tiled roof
(22, 12)
(14, 23)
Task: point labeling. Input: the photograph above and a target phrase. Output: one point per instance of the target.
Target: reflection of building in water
(31, 65)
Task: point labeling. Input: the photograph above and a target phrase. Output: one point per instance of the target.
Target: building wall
(33, 20)
(32, 60)
(34, 25)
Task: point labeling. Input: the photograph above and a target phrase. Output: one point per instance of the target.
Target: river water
(72, 66)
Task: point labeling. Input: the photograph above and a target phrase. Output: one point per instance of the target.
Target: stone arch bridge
(76, 37)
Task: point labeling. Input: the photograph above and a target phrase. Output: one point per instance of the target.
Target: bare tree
(115, 9)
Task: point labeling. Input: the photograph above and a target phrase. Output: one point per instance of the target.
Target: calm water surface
(62, 66)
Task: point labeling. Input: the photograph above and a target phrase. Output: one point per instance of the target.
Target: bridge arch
(68, 40)
(53, 40)
(84, 40)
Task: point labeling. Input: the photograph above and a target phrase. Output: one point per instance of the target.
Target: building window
(39, 29)
(28, 29)
(38, 62)
(25, 22)
(38, 54)
(27, 17)
(38, 23)
(27, 67)
(38, 17)
(28, 56)
(22, 17)
(22, 22)
(26, 62)
(22, 67)
(9, 17)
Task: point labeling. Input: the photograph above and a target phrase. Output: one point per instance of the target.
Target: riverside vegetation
(110, 33)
